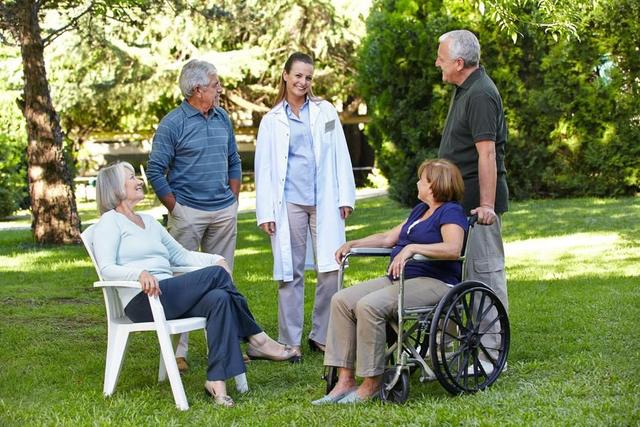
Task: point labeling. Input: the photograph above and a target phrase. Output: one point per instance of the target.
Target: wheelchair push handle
(472, 220)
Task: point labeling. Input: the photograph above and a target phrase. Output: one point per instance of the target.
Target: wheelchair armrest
(422, 258)
(117, 284)
(370, 251)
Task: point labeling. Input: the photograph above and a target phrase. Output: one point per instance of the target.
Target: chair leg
(169, 358)
(241, 383)
(117, 343)
(162, 370)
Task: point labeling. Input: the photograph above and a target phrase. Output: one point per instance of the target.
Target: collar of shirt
(473, 77)
(287, 108)
(191, 111)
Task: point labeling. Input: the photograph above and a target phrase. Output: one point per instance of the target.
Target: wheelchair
(448, 342)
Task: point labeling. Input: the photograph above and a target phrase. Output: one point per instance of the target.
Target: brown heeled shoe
(288, 354)
(222, 400)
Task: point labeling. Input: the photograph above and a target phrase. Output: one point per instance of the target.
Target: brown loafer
(183, 366)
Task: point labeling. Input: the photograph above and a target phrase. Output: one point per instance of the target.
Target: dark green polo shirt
(476, 114)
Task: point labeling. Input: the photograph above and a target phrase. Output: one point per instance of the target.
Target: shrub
(571, 105)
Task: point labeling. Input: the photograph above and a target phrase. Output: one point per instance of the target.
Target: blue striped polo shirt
(194, 157)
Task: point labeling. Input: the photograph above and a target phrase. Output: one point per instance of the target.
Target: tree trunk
(53, 203)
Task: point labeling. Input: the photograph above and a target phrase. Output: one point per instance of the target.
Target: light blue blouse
(300, 184)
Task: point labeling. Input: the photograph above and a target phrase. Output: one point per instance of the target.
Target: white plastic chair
(119, 327)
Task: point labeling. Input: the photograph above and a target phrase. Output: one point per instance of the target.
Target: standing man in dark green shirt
(474, 138)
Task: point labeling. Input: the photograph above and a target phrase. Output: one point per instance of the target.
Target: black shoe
(314, 346)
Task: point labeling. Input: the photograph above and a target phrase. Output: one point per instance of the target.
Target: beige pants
(213, 232)
(357, 323)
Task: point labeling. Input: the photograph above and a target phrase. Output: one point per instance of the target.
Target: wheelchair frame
(448, 334)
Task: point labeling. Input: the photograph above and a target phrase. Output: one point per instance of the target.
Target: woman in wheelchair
(130, 246)
(357, 325)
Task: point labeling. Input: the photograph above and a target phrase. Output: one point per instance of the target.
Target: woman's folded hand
(396, 266)
(342, 251)
(150, 285)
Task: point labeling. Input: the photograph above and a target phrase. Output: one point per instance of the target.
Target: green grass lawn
(574, 291)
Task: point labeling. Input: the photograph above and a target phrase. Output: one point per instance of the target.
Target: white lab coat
(335, 185)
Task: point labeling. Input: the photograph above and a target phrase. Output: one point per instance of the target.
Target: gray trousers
(213, 232)
(291, 294)
(359, 314)
(485, 263)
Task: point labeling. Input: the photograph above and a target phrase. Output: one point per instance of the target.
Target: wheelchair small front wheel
(331, 377)
(400, 390)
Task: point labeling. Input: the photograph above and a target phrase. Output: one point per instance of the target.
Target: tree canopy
(567, 70)
(571, 102)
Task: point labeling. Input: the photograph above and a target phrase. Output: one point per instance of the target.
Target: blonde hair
(282, 87)
(110, 189)
(445, 179)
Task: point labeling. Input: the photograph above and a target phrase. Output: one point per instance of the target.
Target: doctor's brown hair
(445, 179)
(282, 88)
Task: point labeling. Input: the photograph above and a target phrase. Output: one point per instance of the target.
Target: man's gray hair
(464, 44)
(195, 73)
(110, 189)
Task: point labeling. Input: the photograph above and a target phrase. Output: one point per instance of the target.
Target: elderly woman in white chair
(131, 246)
(357, 324)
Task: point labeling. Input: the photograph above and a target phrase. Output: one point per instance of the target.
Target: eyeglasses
(212, 85)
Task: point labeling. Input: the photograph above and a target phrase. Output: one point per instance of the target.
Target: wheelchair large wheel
(469, 338)
(400, 391)
(331, 377)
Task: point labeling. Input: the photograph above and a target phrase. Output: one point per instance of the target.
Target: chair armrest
(185, 269)
(117, 284)
(370, 251)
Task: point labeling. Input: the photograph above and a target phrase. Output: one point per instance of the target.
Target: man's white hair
(195, 73)
(464, 44)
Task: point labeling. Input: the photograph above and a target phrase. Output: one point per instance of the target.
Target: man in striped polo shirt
(195, 170)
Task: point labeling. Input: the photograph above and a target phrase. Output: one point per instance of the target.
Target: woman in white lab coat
(304, 186)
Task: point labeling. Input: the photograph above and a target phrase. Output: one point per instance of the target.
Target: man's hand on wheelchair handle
(486, 215)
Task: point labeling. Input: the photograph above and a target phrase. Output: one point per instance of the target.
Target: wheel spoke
(455, 337)
(481, 305)
(455, 354)
(493, 361)
(479, 365)
(467, 312)
(483, 314)
(490, 325)
(465, 362)
(457, 319)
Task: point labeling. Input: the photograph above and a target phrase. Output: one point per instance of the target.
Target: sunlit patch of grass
(573, 255)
